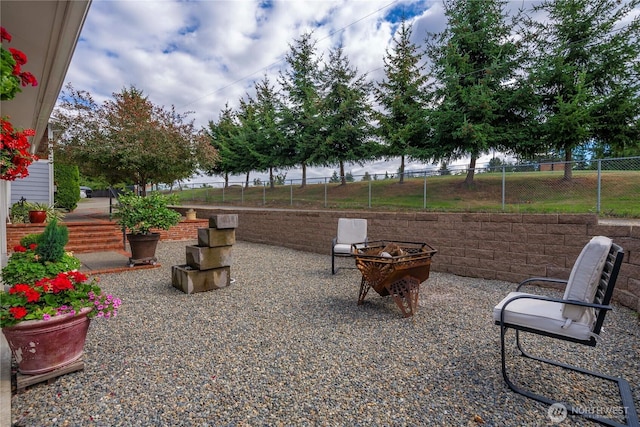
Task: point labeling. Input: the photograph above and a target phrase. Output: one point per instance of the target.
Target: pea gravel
(287, 345)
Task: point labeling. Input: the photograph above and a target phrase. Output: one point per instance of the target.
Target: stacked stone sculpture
(208, 264)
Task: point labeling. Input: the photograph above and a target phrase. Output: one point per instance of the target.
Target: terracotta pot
(143, 246)
(37, 217)
(40, 346)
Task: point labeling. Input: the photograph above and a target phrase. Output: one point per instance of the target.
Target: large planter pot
(37, 217)
(143, 248)
(40, 346)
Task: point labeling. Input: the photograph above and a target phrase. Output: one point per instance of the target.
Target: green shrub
(30, 239)
(20, 212)
(28, 265)
(67, 179)
(52, 242)
(24, 268)
(141, 214)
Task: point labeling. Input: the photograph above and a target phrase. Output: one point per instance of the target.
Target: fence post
(325, 192)
(599, 186)
(504, 168)
(424, 192)
(369, 194)
(291, 192)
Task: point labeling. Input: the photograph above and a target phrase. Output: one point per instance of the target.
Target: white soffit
(47, 32)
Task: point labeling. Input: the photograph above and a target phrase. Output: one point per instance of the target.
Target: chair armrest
(551, 299)
(540, 279)
(334, 241)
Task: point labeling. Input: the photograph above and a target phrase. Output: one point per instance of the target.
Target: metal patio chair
(350, 231)
(577, 318)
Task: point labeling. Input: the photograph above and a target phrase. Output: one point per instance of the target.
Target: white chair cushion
(351, 230)
(544, 316)
(342, 249)
(585, 275)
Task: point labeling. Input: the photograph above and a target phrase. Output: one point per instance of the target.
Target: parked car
(85, 192)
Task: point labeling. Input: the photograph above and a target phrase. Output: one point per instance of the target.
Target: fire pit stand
(397, 273)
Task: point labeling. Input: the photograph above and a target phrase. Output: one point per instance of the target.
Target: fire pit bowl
(393, 268)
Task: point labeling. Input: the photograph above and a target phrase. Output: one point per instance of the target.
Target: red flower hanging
(15, 157)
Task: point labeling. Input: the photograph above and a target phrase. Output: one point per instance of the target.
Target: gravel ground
(286, 345)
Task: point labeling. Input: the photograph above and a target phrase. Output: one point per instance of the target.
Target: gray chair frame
(601, 304)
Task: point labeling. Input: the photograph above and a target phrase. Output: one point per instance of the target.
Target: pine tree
(474, 63)
(301, 117)
(402, 97)
(584, 66)
(346, 135)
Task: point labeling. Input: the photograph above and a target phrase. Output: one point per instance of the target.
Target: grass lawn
(534, 192)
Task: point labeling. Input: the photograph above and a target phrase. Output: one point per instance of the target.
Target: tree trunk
(343, 179)
(226, 180)
(246, 182)
(401, 171)
(271, 183)
(304, 175)
(568, 165)
(470, 173)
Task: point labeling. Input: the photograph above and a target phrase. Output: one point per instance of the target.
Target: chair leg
(623, 387)
(333, 263)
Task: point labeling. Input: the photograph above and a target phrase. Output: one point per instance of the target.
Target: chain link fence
(609, 187)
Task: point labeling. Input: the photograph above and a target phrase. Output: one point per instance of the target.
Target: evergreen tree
(221, 136)
(402, 123)
(477, 108)
(346, 114)
(584, 67)
(301, 117)
(270, 142)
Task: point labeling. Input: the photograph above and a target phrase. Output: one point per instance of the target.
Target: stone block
(212, 238)
(190, 281)
(223, 221)
(203, 258)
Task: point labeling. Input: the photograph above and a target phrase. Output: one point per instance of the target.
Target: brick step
(94, 237)
(94, 247)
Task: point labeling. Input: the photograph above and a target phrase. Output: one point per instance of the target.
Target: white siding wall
(37, 186)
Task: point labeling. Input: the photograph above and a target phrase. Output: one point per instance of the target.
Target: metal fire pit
(398, 274)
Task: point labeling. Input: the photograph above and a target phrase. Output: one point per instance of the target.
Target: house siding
(35, 187)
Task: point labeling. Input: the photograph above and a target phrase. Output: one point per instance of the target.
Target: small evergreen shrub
(52, 242)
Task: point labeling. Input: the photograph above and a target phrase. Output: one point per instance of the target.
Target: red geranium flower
(30, 293)
(18, 312)
(4, 35)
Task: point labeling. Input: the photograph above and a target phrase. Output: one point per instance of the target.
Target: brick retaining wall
(508, 247)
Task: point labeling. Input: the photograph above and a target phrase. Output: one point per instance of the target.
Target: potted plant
(139, 216)
(42, 212)
(46, 310)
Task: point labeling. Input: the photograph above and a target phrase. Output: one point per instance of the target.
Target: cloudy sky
(201, 55)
